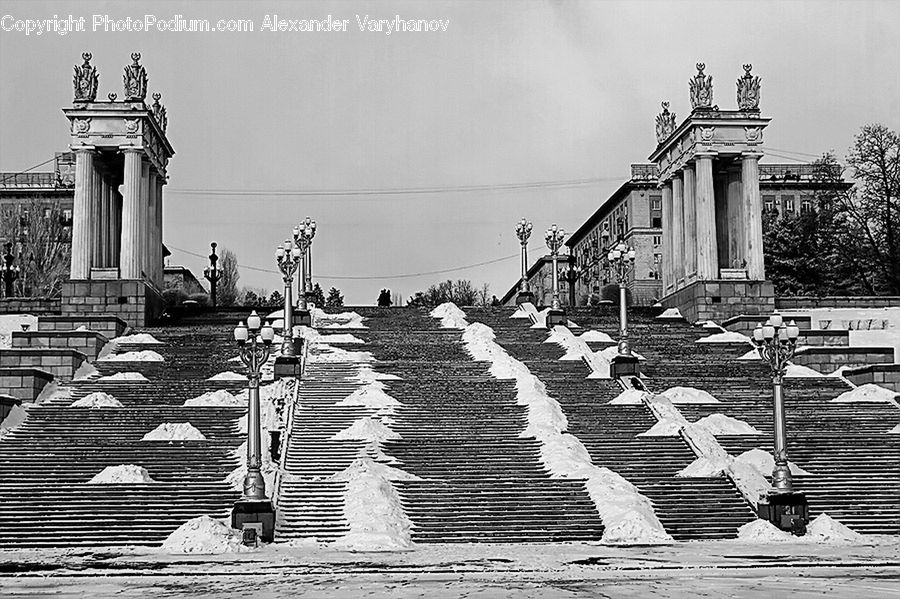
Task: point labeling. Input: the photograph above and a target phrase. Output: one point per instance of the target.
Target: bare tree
(227, 289)
(484, 295)
(40, 237)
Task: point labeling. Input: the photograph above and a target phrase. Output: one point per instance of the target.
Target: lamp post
(303, 234)
(288, 257)
(8, 272)
(571, 273)
(253, 513)
(785, 508)
(212, 274)
(307, 228)
(523, 232)
(620, 260)
(554, 239)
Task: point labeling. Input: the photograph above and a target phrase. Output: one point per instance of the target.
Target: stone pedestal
(524, 297)
(720, 299)
(302, 318)
(287, 367)
(134, 301)
(624, 366)
(787, 511)
(555, 317)
(255, 514)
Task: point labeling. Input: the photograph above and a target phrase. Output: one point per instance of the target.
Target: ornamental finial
(86, 80)
(135, 80)
(159, 112)
(748, 90)
(701, 89)
(665, 123)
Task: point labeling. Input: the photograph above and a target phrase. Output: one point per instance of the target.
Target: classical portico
(121, 156)
(712, 212)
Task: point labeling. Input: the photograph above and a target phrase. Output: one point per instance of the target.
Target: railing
(42, 179)
(644, 172)
(799, 172)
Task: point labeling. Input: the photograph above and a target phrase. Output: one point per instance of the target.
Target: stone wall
(883, 375)
(24, 384)
(7, 403)
(828, 359)
(849, 301)
(87, 342)
(108, 326)
(61, 363)
(720, 299)
(29, 305)
(134, 301)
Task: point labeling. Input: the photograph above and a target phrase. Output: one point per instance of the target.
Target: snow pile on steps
(367, 374)
(342, 320)
(869, 392)
(726, 337)
(895, 430)
(764, 462)
(577, 348)
(372, 507)
(822, 530)
(210, 399)
(139, 338)
(628, 516)
(628, 397)
(227, 376)
(373, 432)
(123, 474)
(716, 424)
(540, 319)
(10, 323)
(325, 353)
(313, 335)
(593, 336)
(670, 313)
(97, 400)
(85, 372)
(526, 310)
(169, 431)
(15, 418)
(203, 535)
(144, 355)
(688, 395)
(451, 316)
(131, 377)
(371, 395)
(797, 371)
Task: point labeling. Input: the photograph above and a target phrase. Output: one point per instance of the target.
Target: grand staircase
(45, 465)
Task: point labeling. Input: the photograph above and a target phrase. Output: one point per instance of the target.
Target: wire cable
(13, 175)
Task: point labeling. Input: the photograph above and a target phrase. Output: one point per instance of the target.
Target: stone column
(752, 210)
(151, 226)
(668, 267)
(81, 213)
(116, 235)
(735, 219)
(145, 219)
(160, 260)
(678, 230)
(130, 255)
(690, 223)
(96, 216)
(109, 224)
(707, 248)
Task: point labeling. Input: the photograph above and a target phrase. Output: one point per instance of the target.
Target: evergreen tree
(276, 299)
(318, 296)
(334, 299)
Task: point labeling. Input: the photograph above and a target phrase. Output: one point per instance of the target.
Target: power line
(792, 152)
(371, 278)
(13, 175)
(394, 191)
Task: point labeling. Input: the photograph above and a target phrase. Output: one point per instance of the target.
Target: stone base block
(24, 384)
(87, 342)
(883, 375)
(59, 362)
(787, 511)
(302, 318)
(287, 367)
(720, 300)
(624, 366)
(7, 403)
(555, 317)
(136, 302)
(108, 326)
(259, 515)
(524, 297)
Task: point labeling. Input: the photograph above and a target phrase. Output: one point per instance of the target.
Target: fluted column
(116, 234)
(668, 267)
(81, 213)
(105, 214)
(130, 258)
(752, 216)
(96, 217)
(690, 223)
(145, 218)
(737, 254)
(152, 189)
(707, 248)
(678, 230)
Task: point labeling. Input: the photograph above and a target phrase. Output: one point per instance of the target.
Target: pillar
(752, 205)
(152, 189)
(130, 258)
(81, 213)
(678, 230)
(145, 219)
(736, 221)
(116, 235)
(109, 222)
(105, 219)
(707, 248)
(96, 216)
(690, 223)
(668, 245)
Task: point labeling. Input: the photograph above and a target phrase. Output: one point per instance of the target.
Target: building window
(656, 222)
(655, 202)
(805, 205)
(769, 202)
(788, 203)
(657, 240)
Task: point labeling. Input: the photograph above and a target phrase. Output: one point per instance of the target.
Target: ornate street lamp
(288, 257)
(212, 274)
(8, 272)
(620, 260)
(523, 232)
(303, 234)
(785, 508)
(253, 513)
(554, 239)
(308, 229)
(571, 273)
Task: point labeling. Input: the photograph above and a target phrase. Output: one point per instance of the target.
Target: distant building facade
(540, 282)
(43, 190)
(181, 277)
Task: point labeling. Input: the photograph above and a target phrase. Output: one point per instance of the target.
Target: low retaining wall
(108, 326)
(836, 301)
(134, 301)
(87, 342)
(829, 359)
(29, 305)
(883, 375)
(24, 384)
(61, 363)
(720, 300)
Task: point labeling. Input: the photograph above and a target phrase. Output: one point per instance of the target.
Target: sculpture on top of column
(665, 123)
(701, 90)
(86, 80)
(159, 112)
(135, 79)
(748, 90)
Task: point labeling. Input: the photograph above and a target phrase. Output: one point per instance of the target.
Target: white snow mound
(869, 392)
(214, 399)
(451, 316)
(180, 431)
(763, 531)
(203, 535)
(366, 429)
(145, 355)
(370, 396)
(124, 474)
(671, 313)
(688, 395)
(227, 376)
(797, 371)
(764, 462)
(139, 338)
(136, 377)
(16, 416)
(97, 400)
(825, 529)
(593, 336)
(720, 424)
(629, 397)
(726, 337)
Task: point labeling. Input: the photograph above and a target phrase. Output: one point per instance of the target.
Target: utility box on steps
(250, 512)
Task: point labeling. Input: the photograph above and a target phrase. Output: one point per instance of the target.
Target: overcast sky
(510, 93)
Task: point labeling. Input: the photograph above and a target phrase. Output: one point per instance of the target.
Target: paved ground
(703, 570)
